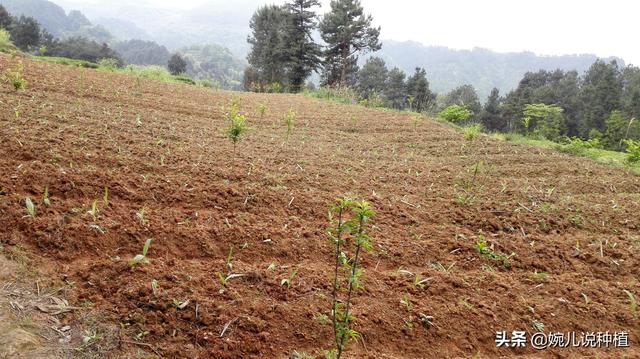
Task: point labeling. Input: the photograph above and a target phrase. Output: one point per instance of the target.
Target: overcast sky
(546, 27)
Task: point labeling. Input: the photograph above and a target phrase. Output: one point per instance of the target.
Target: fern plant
(349, 238)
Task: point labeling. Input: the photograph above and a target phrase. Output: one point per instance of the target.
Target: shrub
(472, 131)
(455, 113)
(177, 65)
(633, 151)
(6, 45)
(578, 146)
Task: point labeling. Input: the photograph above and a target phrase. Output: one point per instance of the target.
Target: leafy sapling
(237, 125)
(141, 257)
(349, 238)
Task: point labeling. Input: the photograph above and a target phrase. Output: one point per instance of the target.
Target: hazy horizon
(498, 25)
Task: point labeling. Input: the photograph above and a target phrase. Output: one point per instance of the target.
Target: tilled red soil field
(570, 227)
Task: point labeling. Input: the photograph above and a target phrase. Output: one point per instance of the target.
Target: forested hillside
(484, 69)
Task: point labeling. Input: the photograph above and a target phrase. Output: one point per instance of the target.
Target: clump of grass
(471, 131)
(142, 257)
(15, 78)
(349, 238)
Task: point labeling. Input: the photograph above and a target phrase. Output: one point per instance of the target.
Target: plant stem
(335, 281)
(354, 268)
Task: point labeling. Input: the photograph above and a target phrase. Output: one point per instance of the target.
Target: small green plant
(31, 208)
(140, 216)
(45, 196)
(349, 238)
(16, 79)
(576, 220)
(633, 152)
(633, 303)
(141, 257)
(483, 248)
(262, 108)
(287, 281)
(537, 325)
(416, 118)
(154, 286)
(105, 196)
(237, 124)
(471, 131)
(539, 276)
(94, 210)
(289, 119)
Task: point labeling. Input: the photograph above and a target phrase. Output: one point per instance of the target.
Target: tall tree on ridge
(304, 53)
(347, 31)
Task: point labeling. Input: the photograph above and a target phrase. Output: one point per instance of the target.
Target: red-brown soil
(161, 147)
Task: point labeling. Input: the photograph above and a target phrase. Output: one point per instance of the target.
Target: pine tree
(347, 31)
(25, 33)
(600, 95)
(418, 91)
(304, 53)
(372, 78)
(396, 93)
(269, 55)
(490, 116)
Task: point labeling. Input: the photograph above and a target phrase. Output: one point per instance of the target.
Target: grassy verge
(612, 158)
(152, 72)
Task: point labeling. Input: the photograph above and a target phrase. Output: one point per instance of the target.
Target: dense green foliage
(455, 113)
(141, 52)
(80, 48)
(347, 31)
(177, 65)
(304, 54)
(215, 64)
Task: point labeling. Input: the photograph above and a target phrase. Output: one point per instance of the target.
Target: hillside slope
(161, 148)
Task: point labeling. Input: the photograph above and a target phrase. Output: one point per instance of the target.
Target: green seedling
(539, 276)
(537, 325)
(633, 303)
(94, 210)
(406, 302)
(105, 196)
(237, 126)
(45, 196)
(262, 108)
(483, 248)
(140, 216)
(471, 131)
(31, 208)
(16, 79)
(180, 304)
(289, 119)
(154, 286)
(141, 257)
(224, 279)
(287, 281)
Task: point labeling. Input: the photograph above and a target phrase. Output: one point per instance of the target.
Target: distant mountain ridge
(484, 69)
